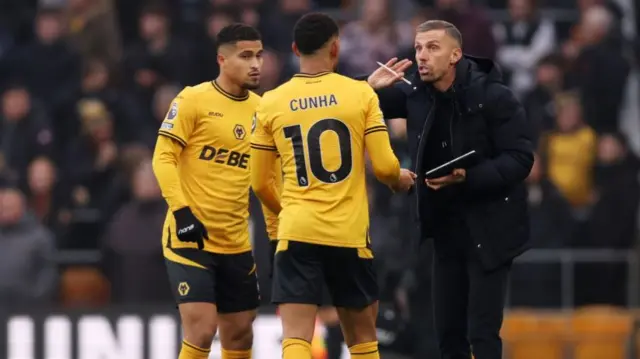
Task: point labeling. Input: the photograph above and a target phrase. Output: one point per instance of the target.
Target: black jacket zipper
(418, 168)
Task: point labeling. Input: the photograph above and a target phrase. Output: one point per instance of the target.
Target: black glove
(273, 245)
(189, 228)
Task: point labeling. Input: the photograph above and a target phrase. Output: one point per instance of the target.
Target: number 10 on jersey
(314, 151)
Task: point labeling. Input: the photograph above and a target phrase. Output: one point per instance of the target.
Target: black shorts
(302, 270)
(228, 280)
(273, 244)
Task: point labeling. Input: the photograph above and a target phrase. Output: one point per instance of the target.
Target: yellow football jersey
(209, 129)
(318, 124)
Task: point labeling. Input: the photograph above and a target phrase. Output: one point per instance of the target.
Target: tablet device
(464, 161)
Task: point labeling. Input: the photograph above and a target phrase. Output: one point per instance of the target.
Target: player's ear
(294, 48)
(220, 59)
(334, 50)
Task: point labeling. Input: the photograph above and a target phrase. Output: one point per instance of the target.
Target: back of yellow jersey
(318, 125)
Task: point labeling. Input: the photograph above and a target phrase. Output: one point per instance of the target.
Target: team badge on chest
(239, 132)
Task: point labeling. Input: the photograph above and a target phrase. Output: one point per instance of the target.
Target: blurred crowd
(84, 85)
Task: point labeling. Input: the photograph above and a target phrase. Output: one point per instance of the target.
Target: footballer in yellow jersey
(201, 162)
(321, 123)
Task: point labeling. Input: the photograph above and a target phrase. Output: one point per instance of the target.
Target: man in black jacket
(476, 216)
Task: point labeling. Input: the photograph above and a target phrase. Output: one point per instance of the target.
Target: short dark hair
(231, 34)
(313, 31)
(448, 27)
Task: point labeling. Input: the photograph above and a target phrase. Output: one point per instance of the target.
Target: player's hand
(382, 77)
(405, 182)
(457, 176)
(189, 228)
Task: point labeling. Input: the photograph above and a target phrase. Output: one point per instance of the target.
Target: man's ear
(334, 50)
(220, 59)
(295, 50)
(456, 56)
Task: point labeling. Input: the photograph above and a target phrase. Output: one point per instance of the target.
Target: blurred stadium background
(84, 85)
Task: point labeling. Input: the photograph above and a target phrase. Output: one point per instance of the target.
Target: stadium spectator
(539, 102)
(523, 40)
(375, 36)
(98, 83)
(27, 267)
(598, 69)
(158, 56)
(94, 32)
(475, 26)
(271, 74)
(129, 264)
(612, 222)
(25, 131)
(208, 67)
(614, 215)
(570, 153)
(46, 193)
(47, 67)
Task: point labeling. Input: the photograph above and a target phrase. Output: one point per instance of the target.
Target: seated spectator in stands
(94, 32)
(27, 269)
(612, 223)
(46, 193)
(474, 24)
(523, 41)
(539, 102)
(90, 169)
(375, 36)
(271, 74)
(276, 26)
(131, 247)
(207, 54)
(158, 56)
(128, 114)
(569, 153)
(25, 131)
(614, 217)
(599, 68)
(48, 67)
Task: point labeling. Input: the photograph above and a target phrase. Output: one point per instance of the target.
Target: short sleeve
(261, 135)
(181, 118)
(374, 121)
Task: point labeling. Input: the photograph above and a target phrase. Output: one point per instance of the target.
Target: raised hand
(382, 77)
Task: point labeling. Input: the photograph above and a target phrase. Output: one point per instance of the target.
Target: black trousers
(468, 304)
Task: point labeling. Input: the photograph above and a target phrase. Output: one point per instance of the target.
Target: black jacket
(491, 121)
